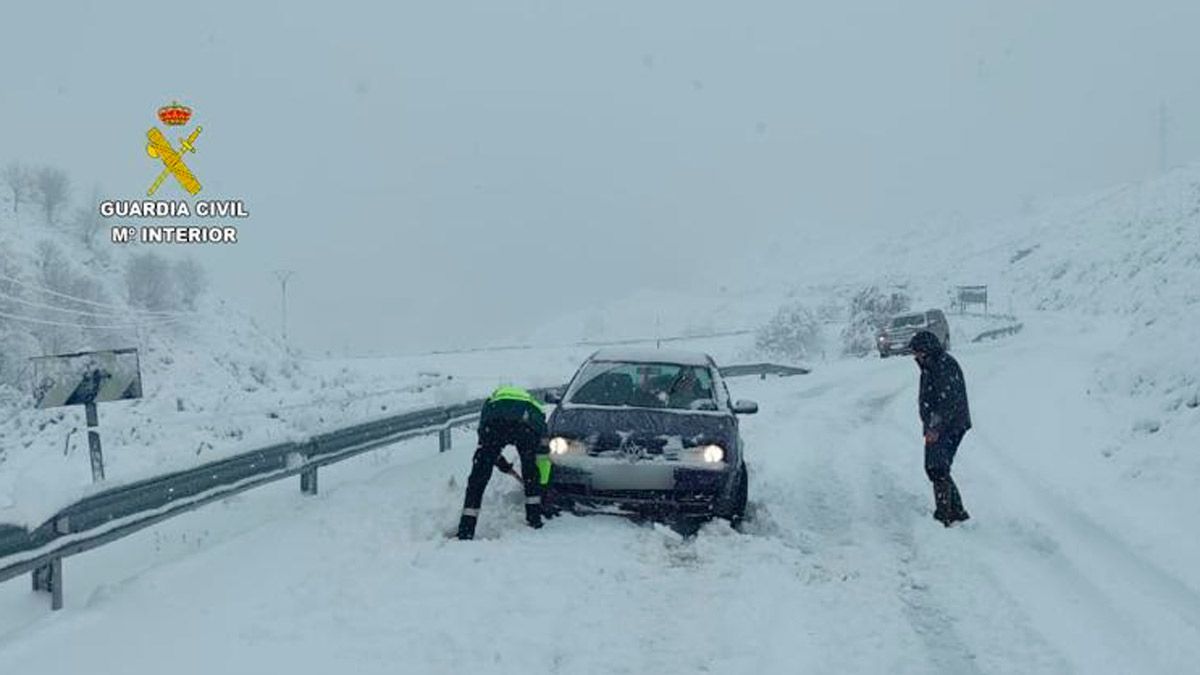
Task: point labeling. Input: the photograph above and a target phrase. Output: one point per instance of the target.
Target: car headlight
(713, 453)
(559, 445)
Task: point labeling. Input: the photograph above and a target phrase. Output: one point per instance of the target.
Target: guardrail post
(308, 481)
(56, 584)
(48, 578)
(41, 578)
(444, 439)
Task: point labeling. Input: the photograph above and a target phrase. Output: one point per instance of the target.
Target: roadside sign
(86, 377)
(972, 295)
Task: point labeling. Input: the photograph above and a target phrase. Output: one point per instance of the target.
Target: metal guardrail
(998, 332)
(110, 515)
(762, 370)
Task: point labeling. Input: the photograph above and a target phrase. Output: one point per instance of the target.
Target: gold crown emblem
(175, 115)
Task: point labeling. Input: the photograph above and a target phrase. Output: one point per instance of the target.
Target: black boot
(957, 513)
(533, 515)
(466, 527)
(944, 509)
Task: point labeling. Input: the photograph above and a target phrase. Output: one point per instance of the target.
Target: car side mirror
(744, 407)
(552, 396)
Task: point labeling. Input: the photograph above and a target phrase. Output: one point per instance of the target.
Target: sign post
(93, 420)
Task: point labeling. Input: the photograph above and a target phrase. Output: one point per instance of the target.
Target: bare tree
(51, 187)
(87, 221)
(16, 178)
(191, 281)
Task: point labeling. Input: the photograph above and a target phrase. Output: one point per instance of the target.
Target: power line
(102, 305)
(4, 297)
(49, 322)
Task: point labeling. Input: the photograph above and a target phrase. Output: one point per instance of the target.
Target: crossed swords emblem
(160, 148)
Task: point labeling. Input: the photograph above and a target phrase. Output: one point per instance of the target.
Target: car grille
(663, 497)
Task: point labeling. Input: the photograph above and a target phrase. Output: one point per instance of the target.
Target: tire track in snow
(893, 514)
(1136, 604)
(1097, 617)
(1169, 589)
(947, 651)
(926, 576)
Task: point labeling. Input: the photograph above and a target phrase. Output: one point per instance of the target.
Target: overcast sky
(444, 174)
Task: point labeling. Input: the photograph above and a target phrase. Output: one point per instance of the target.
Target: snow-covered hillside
(839, 569)
(214, 382)
(1080, 474)
(1129, 254)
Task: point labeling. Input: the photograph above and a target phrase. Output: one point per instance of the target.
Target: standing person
(510, 416)
(945, 418)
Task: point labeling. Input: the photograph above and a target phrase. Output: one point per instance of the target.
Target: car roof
(645, 355)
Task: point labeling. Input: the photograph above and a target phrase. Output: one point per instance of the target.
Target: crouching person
(510, 416)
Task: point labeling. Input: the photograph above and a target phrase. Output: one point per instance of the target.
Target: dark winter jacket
(528, 412)
(514, 405)
(943, 397)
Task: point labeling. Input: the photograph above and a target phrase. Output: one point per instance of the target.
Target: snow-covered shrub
(191, 281)
(831, 311)
(870, 309)
(150, 283)
(16, 348)
(54, 268)
(794, 333)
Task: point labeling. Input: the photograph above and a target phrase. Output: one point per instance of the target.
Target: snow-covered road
(840, 569)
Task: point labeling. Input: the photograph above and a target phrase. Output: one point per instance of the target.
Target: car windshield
(908, 320)
(644, 385)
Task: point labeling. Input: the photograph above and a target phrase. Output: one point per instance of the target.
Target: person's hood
(927, 343)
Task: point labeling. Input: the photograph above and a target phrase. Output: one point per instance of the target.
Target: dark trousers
(939, 455)
(494, 436)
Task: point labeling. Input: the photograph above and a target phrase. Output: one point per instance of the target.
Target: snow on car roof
(676, 356)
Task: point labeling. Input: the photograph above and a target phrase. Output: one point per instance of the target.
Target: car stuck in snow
(649, 432)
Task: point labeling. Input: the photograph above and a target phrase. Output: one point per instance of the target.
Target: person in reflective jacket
(510, 416)
(945, 418)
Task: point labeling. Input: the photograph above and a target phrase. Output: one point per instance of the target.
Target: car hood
(613, 429)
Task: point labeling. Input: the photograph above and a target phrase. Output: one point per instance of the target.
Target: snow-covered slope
(840, 568)
(1080, 474)
(214, 383)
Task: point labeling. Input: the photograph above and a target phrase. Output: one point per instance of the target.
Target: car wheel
(687, 525)
(741, 494)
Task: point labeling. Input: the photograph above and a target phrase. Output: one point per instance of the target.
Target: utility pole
(1162, 137)
(283, 276)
